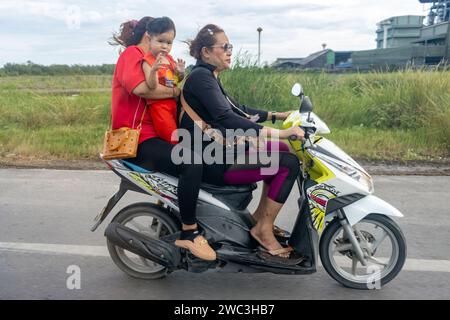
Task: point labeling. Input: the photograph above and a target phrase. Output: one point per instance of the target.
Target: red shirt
(126, 106)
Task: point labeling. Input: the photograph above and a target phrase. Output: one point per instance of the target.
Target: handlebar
(308, 132)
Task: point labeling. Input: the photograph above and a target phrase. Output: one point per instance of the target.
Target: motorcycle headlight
(356, 174)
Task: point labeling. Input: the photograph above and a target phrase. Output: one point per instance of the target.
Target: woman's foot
(268, 241)
(277, 231)
(194, 241)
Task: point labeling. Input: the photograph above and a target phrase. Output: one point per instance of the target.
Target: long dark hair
(205, 38)
(131, 32)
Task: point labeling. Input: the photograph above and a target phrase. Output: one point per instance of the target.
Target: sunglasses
(227, 47)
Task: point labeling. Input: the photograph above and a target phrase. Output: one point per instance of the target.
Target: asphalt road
(46, 215)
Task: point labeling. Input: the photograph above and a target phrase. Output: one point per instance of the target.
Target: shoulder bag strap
(206, 128)
(241, 112)
(193, 115)
(142, 117)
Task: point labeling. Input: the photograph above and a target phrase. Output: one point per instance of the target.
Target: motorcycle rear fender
(125, 186)
(356, 211)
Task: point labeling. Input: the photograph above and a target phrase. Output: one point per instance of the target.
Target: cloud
(269, 8)
(77, 31)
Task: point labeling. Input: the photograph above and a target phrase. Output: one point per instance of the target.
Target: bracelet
(274, 118)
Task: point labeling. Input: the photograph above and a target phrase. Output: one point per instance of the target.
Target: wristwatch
(274, 118)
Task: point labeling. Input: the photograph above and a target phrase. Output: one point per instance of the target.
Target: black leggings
(155, 154)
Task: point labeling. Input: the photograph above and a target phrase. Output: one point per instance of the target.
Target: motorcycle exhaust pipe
(153, 249)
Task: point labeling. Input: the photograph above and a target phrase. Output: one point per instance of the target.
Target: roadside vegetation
(400, 116)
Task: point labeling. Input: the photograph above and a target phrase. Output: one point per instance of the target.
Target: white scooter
(339, 218)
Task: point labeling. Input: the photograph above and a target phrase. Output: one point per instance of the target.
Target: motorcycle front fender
(356, 211)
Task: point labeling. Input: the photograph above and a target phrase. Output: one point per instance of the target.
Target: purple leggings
(280, 180)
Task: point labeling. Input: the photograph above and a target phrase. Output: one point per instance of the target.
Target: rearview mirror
(297, 90)
(307, 105)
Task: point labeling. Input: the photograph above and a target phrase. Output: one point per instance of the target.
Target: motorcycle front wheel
(382, 243)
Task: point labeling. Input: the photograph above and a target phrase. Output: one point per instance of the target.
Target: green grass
(402, 116)
(55, 82)
(53, 126)
(54, 142)
(412, 106)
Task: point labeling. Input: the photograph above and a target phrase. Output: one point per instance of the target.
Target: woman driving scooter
(203, 93)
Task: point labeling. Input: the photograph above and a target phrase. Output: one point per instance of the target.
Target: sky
(77, 31)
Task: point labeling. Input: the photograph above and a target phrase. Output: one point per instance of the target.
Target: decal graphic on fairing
(319, 196)
(156, 184)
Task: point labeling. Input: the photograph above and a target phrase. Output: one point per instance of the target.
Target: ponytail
(131, 33)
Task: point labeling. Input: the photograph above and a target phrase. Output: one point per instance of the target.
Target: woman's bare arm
(151, 77)
(160, 92)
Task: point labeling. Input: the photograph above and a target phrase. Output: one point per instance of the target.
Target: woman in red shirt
(129, 94)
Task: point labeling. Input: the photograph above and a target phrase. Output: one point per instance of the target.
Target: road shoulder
(374, 168)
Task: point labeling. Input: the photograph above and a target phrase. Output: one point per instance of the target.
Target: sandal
(199, 247)
(274, 255)
(280, 233)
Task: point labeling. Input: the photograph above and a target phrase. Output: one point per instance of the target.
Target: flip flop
(281, 234)
(274, 255)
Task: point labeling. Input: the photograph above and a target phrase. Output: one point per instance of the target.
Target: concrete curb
(387, 168)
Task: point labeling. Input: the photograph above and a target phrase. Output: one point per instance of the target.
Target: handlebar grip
(307, 131)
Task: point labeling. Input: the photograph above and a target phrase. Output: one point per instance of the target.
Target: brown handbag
(122, 143)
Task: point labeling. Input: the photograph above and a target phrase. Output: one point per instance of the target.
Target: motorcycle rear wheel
(151, 220)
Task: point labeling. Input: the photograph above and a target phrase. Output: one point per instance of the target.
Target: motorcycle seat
(213, 189)
(134, 167)
(228, 189)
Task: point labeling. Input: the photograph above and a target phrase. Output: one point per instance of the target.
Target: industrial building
(325, 59)
(400, 42)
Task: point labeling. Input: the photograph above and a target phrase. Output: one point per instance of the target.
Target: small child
(165, 71)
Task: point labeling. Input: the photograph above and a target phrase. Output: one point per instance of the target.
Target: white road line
(422, 265)
(82, 250)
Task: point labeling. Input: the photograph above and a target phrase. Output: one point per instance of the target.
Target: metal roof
(302, 61)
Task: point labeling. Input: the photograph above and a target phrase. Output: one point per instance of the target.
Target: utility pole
(259, 45)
